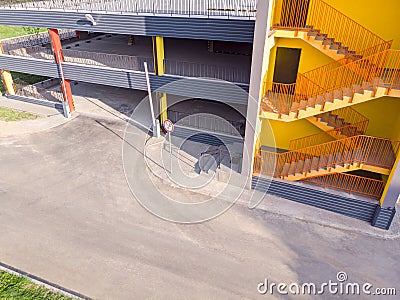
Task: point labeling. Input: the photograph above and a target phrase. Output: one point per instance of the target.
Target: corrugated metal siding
(210, 138)
(177, 27)
(346, 206)
(203, 89)
(105, 76)
(29, 65)
(192, 87)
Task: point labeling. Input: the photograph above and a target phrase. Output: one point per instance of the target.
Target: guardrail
(190, 69)
(378, 70)
(172, 67)
(319, 15)
(359, 149)
(32, 91)
(207, 122)
(32, 40)
(191, 8)
(326, 136)
(351, 184)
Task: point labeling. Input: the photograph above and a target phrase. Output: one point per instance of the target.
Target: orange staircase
(354, 153)
(325, 28)
(364, 69)
(330, 89)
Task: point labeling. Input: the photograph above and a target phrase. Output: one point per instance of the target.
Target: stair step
(330, 160)
(338, 94)
(292, 168)
(320, 37)
(343, 50)
(307, 165)
(328, 41)
(348, 92)
(295, 107)
(323, 163)
(315, 163)
(300, 166)
(312, 32)
(366, 85)
(329, 97)
(320, 100)
(303, 105)
(335, 46)
(358, 89)
(311, 102)
(285, 170)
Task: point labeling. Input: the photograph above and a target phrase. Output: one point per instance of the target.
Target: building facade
(319, 112)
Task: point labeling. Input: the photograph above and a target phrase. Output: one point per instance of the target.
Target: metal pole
(67, 112)
(156, 128)
(170, 150)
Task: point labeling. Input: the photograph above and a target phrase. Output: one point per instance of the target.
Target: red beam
(59, 58)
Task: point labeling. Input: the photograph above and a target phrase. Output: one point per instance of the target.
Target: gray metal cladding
(353, 208)
(178, 27)
(191, 87)
(105, 76)
(203, 89)
(29, 65)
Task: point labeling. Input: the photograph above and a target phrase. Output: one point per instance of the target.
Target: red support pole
(59, 58)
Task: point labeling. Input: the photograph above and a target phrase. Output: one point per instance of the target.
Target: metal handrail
(192, 69)
(37, 39)
(319, 15)
(361, 149)
(336, 134)
(349, 183)
(207, 122)
(378, 70)
(191, 8)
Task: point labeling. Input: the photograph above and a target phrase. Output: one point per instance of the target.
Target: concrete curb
(42, 282)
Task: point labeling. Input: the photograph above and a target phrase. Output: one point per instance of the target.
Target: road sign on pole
(169, 127)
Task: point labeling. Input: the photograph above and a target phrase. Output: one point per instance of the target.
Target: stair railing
(361, 149)
(319, 15)
(329, 135)
(378, 70)
(349, 183)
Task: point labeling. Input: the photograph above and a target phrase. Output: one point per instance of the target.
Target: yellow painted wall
(310, 57)
(285, 132)
(384, 116)
(381, 17)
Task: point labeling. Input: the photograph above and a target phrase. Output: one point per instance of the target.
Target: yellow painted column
(7, 79)
(159, 66)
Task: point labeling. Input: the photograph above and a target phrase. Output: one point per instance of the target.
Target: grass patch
(10, 115)
(14, 31)
(15, 287)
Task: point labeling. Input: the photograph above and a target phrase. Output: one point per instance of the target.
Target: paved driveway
(67, 215)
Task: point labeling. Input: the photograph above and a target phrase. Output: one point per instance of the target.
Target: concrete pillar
(6, 78)
(260, 59)
(159, 66)
(59, 58)
(392, 190)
